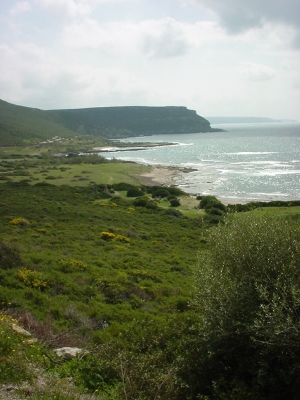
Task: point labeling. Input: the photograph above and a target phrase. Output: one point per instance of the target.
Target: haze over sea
(257, 161)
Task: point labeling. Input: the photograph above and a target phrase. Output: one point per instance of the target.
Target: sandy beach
(161, 175)
(174, 176)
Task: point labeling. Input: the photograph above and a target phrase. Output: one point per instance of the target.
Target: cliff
(24, 124)
(117, 122)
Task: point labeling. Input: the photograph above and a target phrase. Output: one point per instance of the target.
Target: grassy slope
(67, 217)
(24, 124)
(149, 273)
(144, 273)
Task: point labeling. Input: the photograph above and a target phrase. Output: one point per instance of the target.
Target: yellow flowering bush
(113, 237)
(31, 278)
(20, 221)
(71, 265)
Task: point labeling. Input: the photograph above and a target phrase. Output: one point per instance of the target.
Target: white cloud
(73, 8)
(97, 57)
(31, 76)
(66, 8)
(162, 38)
(20, 7)
(257, 72)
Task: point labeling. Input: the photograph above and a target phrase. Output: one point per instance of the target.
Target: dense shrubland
(168, 306)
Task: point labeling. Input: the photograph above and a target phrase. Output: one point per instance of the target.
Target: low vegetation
(169, 297)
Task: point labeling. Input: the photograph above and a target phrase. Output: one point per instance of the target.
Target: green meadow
(171, 297)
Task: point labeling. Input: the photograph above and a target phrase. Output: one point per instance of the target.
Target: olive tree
(247, 296)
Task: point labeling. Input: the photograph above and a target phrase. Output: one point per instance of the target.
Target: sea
(246, 162)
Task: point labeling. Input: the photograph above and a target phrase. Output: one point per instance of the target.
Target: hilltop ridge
(19, 124)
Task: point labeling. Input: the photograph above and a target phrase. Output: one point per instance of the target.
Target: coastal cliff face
(19, 124)
(117, 122)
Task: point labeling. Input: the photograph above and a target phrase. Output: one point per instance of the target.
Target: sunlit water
(248, 162)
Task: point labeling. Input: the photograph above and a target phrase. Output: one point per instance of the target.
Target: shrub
(144, 201)
(123, 186)
(71, 265)
(9, 256)
(19, 221)
(174, 213)
(248, 301)
(209, 202)
(113, 237)
(135, 192)
(31, 278)
(214, 211)
(160, 193)
(174, 202)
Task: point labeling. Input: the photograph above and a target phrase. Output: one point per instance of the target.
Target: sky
(218, 57)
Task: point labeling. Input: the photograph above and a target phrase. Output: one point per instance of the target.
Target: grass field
(82, 264)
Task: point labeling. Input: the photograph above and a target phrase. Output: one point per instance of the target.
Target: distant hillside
(20, 124)
(237, 120)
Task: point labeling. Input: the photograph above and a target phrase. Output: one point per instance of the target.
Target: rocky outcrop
(70, 352)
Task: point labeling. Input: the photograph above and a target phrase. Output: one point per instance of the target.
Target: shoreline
(163, 175)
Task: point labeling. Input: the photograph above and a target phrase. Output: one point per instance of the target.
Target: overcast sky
(218, 57)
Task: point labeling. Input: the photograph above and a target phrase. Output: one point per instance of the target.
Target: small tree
(248, 301)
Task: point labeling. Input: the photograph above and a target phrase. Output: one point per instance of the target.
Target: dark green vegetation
(171, 301)
(20, 125)
(247, 298)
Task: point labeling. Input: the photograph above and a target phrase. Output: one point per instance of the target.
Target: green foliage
(139, 362)
(211, 202)
(14, 349)
(112, 237)
(174, 213)
(146, 202)
(31, 278)
(175, 202)
(248, 297)
(87, 267)
(173, 191)
(135, 192)
(9, 256)
(66, 260)
(123, 186)
(20, 221)
(71, 265)
(261, 204)
(161, 192)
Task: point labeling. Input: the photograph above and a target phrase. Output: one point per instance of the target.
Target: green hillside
(21, 125)
(160, 299)
(115, 122)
